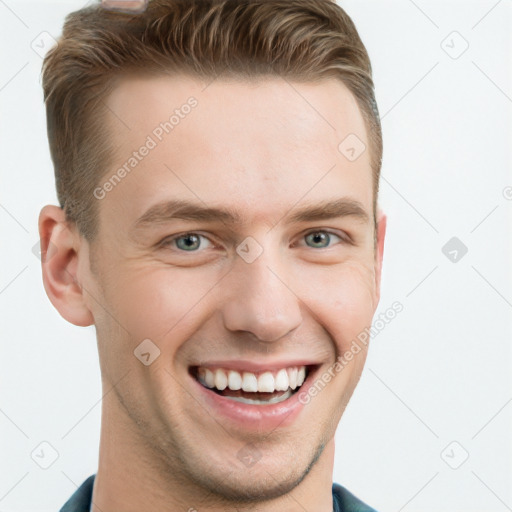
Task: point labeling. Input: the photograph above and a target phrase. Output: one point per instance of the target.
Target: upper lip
(256, 367)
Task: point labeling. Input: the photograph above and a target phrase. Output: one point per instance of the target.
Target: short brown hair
(300, 40)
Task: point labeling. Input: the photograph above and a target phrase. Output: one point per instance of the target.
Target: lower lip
(256, 417)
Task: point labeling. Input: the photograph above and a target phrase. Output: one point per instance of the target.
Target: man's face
(295, 294)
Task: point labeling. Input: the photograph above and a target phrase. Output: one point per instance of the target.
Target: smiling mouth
(261, 388)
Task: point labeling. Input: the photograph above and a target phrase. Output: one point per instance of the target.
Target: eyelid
(167, 241)
(344, 237)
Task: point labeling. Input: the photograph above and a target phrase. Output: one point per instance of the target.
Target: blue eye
(189, 242)
(320, 239)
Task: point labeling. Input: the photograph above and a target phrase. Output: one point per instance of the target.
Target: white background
(439, 372)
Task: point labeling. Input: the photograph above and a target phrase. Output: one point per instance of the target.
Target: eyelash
(344, 239)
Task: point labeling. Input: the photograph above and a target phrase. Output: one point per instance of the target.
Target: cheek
(158, 303)
(342, 298)
(148, 302)
(165, 304)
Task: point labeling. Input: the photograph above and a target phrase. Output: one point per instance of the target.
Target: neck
(131, 478)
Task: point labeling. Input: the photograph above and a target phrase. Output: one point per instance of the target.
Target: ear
(60, 251)
(379, 252)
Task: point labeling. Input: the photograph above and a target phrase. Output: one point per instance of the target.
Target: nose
(261, 301)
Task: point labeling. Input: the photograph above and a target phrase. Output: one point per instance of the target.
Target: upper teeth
(268, 381)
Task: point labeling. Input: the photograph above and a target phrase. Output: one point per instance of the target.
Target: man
(217, 167)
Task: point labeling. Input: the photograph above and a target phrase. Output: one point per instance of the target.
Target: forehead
(257, 144)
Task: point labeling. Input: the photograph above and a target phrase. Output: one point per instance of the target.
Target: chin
(250, 486)
(264, 479)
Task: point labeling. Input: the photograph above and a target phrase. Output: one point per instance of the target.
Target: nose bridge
(261, 301)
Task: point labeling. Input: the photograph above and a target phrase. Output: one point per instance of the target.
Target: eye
(189, 242)
(320, 239)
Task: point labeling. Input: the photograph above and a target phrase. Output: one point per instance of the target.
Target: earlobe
(59, 261)
(379, 253)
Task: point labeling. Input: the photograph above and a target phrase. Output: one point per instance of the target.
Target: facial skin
(262, 150)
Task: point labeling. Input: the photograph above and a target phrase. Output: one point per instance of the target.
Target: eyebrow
(342, 207)
(191, 211)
